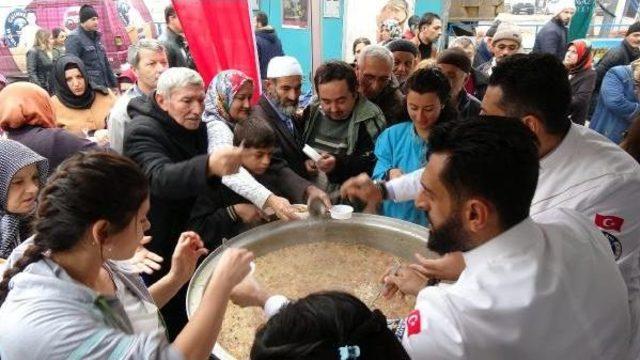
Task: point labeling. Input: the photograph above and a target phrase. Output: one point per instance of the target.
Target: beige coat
(77, 120)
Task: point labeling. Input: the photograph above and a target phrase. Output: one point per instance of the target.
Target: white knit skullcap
(281, 66)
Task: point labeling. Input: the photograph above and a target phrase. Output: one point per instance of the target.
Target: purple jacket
(54, 144)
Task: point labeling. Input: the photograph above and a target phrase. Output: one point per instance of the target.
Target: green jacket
(366, 123)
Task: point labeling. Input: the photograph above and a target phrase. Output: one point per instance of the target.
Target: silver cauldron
(397, 237)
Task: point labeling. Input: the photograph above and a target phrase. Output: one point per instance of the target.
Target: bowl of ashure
(297, 258)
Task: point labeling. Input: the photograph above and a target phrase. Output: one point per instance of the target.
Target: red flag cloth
(609, 222)
(220, 37)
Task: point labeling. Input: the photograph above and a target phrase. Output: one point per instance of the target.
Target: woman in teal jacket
(403, 148)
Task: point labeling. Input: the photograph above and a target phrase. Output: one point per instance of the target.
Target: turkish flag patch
(413, 323)
(606, 222)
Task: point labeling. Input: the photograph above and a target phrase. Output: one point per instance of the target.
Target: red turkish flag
(220, 37)
(413, 323)
(608, 222)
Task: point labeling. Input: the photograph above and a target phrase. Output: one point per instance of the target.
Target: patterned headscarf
(220, 95)
(395, 31)
(13, 157)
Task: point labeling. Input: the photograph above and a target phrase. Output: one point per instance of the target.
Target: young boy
(223, 213)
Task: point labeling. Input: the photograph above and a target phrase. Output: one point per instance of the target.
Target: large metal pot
(397, 237)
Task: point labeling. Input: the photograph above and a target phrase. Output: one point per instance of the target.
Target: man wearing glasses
(377, 83)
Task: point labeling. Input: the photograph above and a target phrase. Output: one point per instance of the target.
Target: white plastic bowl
(341, 212)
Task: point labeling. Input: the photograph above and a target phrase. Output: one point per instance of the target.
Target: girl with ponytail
(328, 325)
(68, 297)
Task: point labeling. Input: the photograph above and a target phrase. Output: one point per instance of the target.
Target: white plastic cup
(341, 212)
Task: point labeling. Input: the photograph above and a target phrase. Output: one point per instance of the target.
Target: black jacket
(289, 146)
(582, 85)
(88, 47)
(39, 67)
(175, 160)
(269, 46)
(622, 54)
(392, 103)
(177, 52)
(468, 106)
(212, 216)
(552, 39)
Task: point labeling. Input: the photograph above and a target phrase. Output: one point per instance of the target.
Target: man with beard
(148, 61)
(580, 169)
(552, 37)
(377, 83)
(523, 277)
(623, 54)
(342, 125)
(277, 106)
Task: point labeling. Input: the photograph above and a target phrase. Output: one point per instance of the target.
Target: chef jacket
(592, 175)
(544, 289)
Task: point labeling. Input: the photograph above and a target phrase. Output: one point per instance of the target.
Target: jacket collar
(514, 239)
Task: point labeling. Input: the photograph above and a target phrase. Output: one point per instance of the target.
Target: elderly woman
(403, 148)
(80, 107)
(87, 304)
(22, 174)
(582, 76)
(228, 101)
(26, 116)
(40, 60)
(618, 102)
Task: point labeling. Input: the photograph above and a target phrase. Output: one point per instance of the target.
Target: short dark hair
(262, 18)
(168, 12)
(432, 80)
(427, 19)
(336, 70)
(428, 80)
(316, 326)
(492, 157)
(413, 22)
(535, 84)
(358, 41)
(255, 133)
(56, 32)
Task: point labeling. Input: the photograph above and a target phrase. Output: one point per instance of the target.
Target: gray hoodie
(48, 315)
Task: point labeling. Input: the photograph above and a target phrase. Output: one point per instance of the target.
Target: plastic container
(341, 212)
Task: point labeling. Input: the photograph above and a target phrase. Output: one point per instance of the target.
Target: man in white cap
(552, 37)
(277, 106)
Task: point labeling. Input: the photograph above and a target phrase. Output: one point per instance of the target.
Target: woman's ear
(100, 231)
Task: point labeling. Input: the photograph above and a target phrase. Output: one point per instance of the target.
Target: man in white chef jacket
(580, 169)
(547, 288)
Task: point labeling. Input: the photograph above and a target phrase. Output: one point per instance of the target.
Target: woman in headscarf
(389, 31)
(582, 76)
(26, 116)
(22, 174)
(80, 106)
(227, 102)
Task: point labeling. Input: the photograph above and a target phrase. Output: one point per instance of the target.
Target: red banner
(220, 37)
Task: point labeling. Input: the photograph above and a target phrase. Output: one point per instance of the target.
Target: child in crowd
(224, 214)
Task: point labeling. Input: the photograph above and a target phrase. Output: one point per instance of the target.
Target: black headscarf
(62, 91)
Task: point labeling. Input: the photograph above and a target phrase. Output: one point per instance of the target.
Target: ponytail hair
(319, 325)
(85, 188)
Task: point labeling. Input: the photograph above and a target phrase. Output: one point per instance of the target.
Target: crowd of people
(523, 169)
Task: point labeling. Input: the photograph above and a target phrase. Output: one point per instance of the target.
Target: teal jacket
(400, 147)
